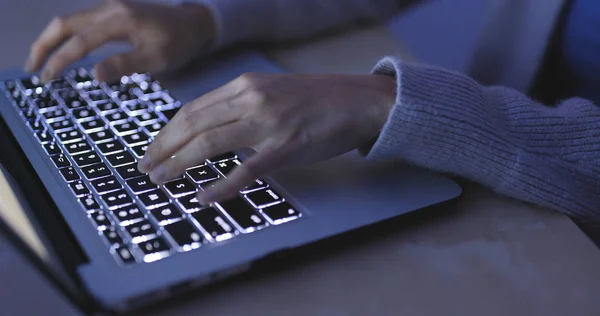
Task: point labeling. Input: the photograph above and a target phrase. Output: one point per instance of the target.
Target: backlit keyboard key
(78, 147)
(140, 150)
(69, 174)
(72, 136)
(84, 114)
(56, 115)
(124, 254)
(63, 125)
(119, 159)
(265, 197)
(117, 117)
(185, 235)
(225, 156)
(217, 226)
(117, 198)
(202, 173)
(243, 214)
(166, 214)
(44, 136)
(107, 107)
(79, 188)
(189, 203)
(52, 148)
(106, 184)
(141, 231)
(99, 218)
(92, 126)
(153, 199)
(225, 167)
(112, 236)
(281, 213)
(135, 139)
(60, 161)
(257, 184)
(154, 128)
(141, 184)
(125, 128)
(128, 171)
(146, 118)
(96, 171)
(153, 247)
(128, 215)
(102, 136)
(87, 159)
(113, 146)
(180, 187)
(89, 203)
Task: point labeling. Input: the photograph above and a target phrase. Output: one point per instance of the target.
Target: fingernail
(144, 164)
(158, 174)
(106, 73)
(46, 76)
(206, 198)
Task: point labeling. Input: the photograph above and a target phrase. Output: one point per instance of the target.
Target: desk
(493, 256)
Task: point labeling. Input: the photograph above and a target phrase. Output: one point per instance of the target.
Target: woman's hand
(163, 38)
(286, 119)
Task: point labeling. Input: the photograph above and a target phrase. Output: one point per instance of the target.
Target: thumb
(113, 68)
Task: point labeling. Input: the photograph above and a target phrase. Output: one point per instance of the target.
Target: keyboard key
(120, 159)
(117, 117)
(107, 107)
(140, 150)
(31, 83)
(166, 214)
(208, 184)
(136, 138)
(100, 219)
(225, 156)
(52, 148)
(262, 198)
(56, 115)
(117, 198)
(79, 188)
(44, 136)
(126, 95)
(98, 95)
(154, 128)
(217, 226)
(243, 214)
(128, 171)
(112, 236)
(169, 114)
(78, 147)
(189, 203)
(153, 246)
(10, 85)
(89, 202)
(28, 114)
(84, 114)
(96, 171)
(60, 161)
(141, 184)
(256, 185)
(102, 136)
(60, 126)
(87, 159)
(141, 231)
(280, 213)
(125, 128)
(106, 184)
(72, 99)
(110, 147)
(44, 105)
(35, 124)
(128, 215)
(136, 107)
(79, 74)
(153, 199)
(93, 125)
(180, 187)
(146, 118)
(125, 84)
(124, 254)
(225, 167)
(71, 136)
(59, 84)
(149, 87)
(185, 235)
(69, 174)
(202, 173)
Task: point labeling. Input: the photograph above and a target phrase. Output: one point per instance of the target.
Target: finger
(208, 144)
(261, 163)
(193, 119)
(58, 30)
(80, 45)
(113, 68)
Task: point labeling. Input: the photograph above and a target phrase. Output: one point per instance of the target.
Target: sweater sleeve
(446, 122)
(275, 20)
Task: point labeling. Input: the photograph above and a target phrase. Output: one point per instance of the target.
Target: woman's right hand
(163, 38)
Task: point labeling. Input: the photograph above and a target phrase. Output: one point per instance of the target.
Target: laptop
(114, 241)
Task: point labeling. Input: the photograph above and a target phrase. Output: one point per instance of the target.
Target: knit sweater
(447, 122)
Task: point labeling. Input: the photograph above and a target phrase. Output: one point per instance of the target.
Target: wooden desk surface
(493, 256)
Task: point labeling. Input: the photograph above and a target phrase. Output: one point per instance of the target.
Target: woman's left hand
(286, 119)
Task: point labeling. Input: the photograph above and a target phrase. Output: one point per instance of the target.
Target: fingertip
(106, 72)
(207, 198)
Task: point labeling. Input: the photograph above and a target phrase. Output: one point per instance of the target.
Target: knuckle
(59, 23)
(80, 42)
(258, 97)
(248, 79)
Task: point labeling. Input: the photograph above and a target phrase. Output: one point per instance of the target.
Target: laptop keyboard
(94, 133)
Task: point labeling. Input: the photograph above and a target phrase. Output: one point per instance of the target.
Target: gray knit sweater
(445, 121)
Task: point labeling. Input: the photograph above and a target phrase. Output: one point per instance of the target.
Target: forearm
(495, 136)
(276, 20)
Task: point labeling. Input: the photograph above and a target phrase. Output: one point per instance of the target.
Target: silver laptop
(113, 241)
